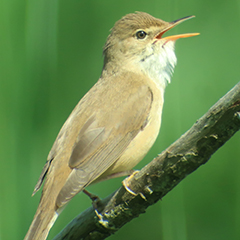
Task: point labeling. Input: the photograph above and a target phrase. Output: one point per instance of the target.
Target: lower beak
(175, 37)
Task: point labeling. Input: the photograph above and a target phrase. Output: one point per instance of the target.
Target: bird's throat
(159, 65)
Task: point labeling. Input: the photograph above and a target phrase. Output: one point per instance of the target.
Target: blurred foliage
(51, 54)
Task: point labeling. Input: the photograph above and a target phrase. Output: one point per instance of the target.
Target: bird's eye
(141, 34)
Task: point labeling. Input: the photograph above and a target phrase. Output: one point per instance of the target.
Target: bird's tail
(41, 224)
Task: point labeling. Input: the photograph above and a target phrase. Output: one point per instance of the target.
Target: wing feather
(90, 138)
(102, 140)
(83, 176)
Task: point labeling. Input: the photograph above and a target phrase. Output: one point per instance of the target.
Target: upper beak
(175, 37)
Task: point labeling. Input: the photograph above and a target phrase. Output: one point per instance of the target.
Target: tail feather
(41, 225)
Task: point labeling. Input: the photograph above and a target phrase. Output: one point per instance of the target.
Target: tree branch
(162, 174)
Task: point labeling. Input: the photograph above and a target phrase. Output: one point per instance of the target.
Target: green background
(51, 54)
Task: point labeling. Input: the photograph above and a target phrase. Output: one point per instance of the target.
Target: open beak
(175, 37)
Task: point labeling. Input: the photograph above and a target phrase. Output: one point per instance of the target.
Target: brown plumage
(115, 123)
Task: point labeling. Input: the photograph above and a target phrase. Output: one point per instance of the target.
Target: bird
(116, 122)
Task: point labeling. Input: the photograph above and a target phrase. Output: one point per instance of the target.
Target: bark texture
(162, 174)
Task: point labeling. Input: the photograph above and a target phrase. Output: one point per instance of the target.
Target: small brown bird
(115, 124)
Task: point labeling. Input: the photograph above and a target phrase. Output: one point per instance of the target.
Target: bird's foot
(125, 183)
(95, 199)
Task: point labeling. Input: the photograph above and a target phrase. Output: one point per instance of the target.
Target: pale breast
(142, 143)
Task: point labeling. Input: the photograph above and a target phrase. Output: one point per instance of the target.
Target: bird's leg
(95, 202)
(95, 199)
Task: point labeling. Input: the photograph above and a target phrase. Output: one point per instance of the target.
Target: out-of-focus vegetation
(51, 54)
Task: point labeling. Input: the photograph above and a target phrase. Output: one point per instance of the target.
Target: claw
(103, 222)
(149, 190)
(142, 196)
(126, 186)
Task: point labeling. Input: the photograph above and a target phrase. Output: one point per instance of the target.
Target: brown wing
(100, 143)
(42, 176)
